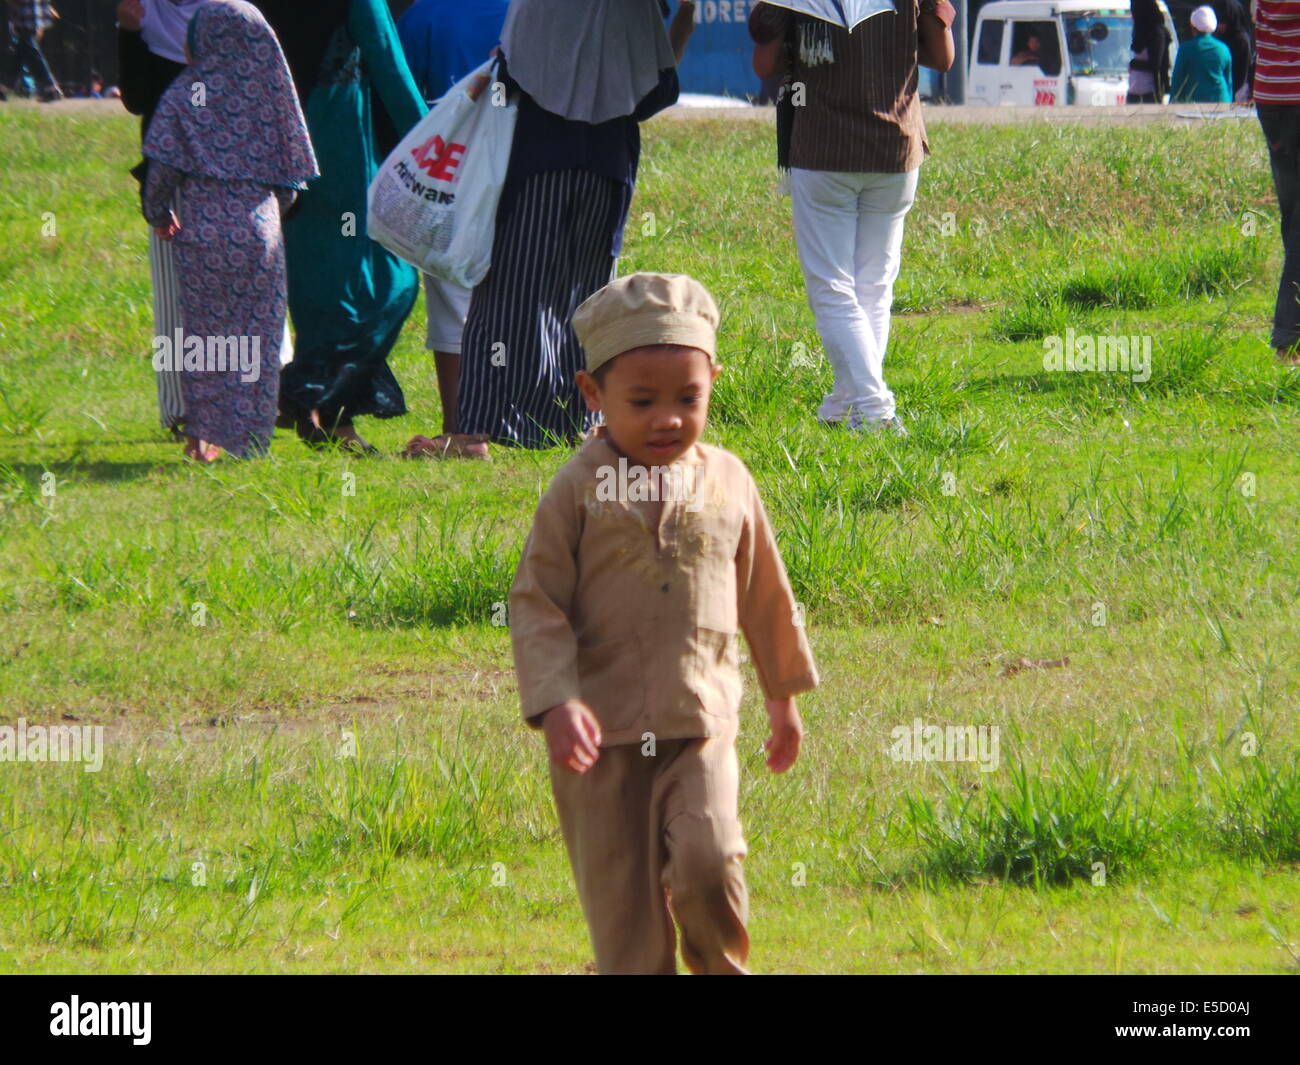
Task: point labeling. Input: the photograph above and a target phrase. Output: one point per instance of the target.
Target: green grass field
(314, 760)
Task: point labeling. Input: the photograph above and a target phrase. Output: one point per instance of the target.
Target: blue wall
(717, 59)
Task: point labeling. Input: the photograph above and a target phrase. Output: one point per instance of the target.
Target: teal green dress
(348, 297)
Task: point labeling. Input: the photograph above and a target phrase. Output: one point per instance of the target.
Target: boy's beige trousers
(646, 832)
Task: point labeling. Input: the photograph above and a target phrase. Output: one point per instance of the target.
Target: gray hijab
(586, 60)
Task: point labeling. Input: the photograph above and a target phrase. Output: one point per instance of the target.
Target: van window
(1099, 44)
(1036, 44)
(990, 49)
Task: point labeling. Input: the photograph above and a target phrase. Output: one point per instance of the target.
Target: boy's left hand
(782, 745)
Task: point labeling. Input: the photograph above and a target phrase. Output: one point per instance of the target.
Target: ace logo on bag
(438, 158)
(434, 200)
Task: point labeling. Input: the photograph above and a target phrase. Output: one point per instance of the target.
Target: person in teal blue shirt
(1203, 69)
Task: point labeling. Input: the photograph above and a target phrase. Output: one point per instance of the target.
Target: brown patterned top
(856, 107)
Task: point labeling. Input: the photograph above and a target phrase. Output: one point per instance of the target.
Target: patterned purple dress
(233, 289)
(229, 136)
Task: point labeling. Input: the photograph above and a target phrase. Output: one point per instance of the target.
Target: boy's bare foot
(1288, 356)
(448, 446)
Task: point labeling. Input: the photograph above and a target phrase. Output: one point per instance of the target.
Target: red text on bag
(438, 158)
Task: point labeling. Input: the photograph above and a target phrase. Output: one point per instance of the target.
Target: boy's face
(655, 400)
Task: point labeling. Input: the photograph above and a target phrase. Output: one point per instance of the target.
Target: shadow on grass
(1049, 382)
(76, 444)
(32, 473)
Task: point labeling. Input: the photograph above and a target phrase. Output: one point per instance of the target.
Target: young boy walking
(648, 554)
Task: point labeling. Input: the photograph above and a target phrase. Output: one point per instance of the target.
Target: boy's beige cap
(640, 310)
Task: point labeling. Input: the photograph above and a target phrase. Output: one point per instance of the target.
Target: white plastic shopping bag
(434, 200)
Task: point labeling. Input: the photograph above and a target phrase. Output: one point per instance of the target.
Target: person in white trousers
(853, 139)
(849, 232)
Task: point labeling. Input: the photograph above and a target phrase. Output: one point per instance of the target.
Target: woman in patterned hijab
(229, 135)
(233, 113)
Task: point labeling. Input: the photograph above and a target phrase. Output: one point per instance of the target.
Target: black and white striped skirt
(553, 248)
(166, 320)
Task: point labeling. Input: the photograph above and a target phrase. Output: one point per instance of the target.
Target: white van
(1049, 53)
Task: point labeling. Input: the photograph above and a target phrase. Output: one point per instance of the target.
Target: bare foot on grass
(447, 446)
(348, 439)
(201, 451)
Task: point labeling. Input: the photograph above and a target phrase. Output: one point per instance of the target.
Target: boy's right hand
(572, 736)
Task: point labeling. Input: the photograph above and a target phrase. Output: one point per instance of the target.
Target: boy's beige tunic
(642, 624)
